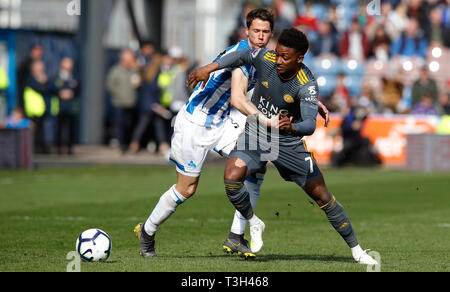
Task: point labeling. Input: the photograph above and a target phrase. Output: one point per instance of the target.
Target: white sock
(166, 206)
(239, 223)
(254, 188)
(357, 251)
(254, 220)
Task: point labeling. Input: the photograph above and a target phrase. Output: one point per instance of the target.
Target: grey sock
(339, 220)
(238, 195)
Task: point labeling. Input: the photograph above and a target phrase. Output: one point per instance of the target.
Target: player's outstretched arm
(201, 75)
(239, 85)
(230, 60)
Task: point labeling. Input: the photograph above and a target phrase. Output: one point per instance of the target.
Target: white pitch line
(141, 219)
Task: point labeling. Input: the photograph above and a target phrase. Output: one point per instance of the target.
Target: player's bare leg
(338, 218)
(236, 172)
(167, 205)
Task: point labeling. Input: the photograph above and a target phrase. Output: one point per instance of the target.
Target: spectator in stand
(286, 9)
(438, 35)
(16, 120)
(37, 105)
(340, 100)
(411, 43)
(335, 18)
(396, 21)
(174, 93)
(382, 19)
(425, 106)
(4, 84)
(179, 90)
(241, 24)
(67, 89)
(419, 10)
(443, 107)
(163, 115)
(425, 84)
(354, 43)
(24, 70)
(242, 18)
(392, 93)
(123, 81)
(365, 19)
(307, 22)
(148, 96)
(280, 21)
(445, 8)
(368, 99)
(145, 55)
(380, 45)
(327, 42)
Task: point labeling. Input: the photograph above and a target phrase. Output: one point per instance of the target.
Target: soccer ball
(94, 245)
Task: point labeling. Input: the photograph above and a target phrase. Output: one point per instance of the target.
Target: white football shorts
(191, 144)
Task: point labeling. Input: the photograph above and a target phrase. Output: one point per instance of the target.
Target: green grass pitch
(404, 216)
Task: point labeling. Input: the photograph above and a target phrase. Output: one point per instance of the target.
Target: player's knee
(235, 171)
(234, 174)
(187, 191)
(318, 191)
(190, 191)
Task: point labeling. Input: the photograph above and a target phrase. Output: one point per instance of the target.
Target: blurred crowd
(369, 57)
(45, 103)
(147, 90)
(388, 56)
(380, 56)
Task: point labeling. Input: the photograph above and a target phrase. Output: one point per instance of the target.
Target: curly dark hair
(293, 38)
(262, 14)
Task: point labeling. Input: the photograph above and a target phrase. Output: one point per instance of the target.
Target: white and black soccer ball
(94, 245)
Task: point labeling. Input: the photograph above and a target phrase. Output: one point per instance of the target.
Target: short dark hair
(262, 14)
(293, 38)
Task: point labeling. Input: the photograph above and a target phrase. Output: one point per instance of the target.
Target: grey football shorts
(294, 162)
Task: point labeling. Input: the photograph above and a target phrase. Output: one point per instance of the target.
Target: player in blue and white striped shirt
(209, 106)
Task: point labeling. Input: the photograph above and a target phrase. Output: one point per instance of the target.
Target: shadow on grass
(303, 257)
(277, 257)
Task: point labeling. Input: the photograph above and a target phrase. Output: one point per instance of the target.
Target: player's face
(288, 60)
(259, 33)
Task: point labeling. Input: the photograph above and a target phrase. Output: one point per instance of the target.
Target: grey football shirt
(296, 97)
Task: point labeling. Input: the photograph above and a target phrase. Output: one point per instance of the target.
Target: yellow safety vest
(34, 103)
(444, 126)
(4, 81)
(165, 79)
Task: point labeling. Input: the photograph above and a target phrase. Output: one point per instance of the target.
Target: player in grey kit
(287, 88)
